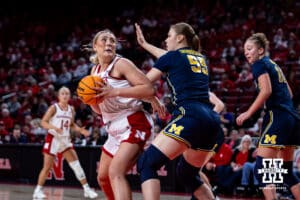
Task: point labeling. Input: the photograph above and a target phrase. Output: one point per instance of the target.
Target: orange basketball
(85, 90)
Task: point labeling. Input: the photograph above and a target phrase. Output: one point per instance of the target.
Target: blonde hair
(64, 88)
(191, 37)
(94, 57)
(260, 40)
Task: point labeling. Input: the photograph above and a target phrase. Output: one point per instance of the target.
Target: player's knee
(188, 175)
(102, 178)
(115, 172)
(149, 162)
(77, 169)
(290, 179)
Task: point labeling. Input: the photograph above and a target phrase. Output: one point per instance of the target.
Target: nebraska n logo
(272, 171)
(57, 169)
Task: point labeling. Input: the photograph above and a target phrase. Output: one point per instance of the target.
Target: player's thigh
(168, 146)
(287, 154)
(70, 155)
(197, 158)
(125, 157)
(267, 152)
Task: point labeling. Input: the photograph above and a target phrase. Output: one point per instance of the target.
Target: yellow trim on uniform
(266, 129)
(177, 138)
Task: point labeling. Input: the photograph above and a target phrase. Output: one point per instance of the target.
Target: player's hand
(84, 132)
(139, 35)
(242, 118)
(158, 107)
(58, 130)
(105, 91)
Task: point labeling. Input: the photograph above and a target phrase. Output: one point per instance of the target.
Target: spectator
(17, 136)
(3, 131)
(65, 77)
(234, 139)
(7, 119)
(230, 176)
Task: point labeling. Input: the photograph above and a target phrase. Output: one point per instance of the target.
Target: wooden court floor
(24, 192)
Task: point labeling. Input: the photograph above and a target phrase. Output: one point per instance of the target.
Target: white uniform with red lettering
(59, 142)
(125, 119)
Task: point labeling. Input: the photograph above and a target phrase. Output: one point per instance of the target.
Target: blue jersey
(187, 75)
(280, 97)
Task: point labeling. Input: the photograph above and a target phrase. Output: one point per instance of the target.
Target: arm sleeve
(258, 69)
(164, 62)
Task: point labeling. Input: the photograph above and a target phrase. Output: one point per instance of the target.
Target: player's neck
(104, 63)
(63, 106)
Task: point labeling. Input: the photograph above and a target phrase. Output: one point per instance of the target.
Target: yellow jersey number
(281, 77)
(198, 64)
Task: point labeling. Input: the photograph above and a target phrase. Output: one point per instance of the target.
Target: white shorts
(56, 144)
(135, 128)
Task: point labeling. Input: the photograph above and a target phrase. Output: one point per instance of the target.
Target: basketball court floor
(24, 192)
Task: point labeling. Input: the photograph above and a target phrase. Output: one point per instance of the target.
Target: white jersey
(116, 107)
(61, 119)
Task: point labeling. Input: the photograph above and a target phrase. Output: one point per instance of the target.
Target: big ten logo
(175, 129)
(270, 139)
(133, 171)
(57, 169)
(5, 164)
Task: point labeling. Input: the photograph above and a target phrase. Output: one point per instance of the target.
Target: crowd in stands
(39, 54)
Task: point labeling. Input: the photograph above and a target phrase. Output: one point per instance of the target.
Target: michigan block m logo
(272, 171)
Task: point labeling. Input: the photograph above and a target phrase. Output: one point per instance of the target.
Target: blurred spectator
(81, 70)
(65, 77)
(14, 106)
(7, 119)
(230, 176)
(234, 139)
(3, 131)
(17, 136)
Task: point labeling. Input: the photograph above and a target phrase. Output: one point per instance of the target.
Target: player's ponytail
(191, 37)
(260, 40)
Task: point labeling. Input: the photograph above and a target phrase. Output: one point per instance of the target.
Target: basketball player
(58, 119)
(128, 125)
(281, 123)
(193, 130)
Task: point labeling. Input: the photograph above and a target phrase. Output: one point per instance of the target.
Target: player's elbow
(43, 124)
(150, 91)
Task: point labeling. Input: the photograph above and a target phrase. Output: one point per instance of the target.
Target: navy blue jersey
(187, 75)
(280, 97)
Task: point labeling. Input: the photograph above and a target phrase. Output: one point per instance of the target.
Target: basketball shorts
(279, 129)
(135, 128)
(196, 125)
(56, 144)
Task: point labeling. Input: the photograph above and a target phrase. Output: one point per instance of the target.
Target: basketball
(85, 90)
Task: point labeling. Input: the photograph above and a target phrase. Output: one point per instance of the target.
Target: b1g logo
(272, 171)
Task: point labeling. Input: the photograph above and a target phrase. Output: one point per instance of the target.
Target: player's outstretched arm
(155, 51)
(265, 92)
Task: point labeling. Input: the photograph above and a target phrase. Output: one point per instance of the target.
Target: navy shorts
(279, 129)
(196, 125)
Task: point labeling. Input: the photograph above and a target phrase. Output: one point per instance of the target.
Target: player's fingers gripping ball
(87, 91)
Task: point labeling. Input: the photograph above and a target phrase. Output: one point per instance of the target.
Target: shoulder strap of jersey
(111, 65)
